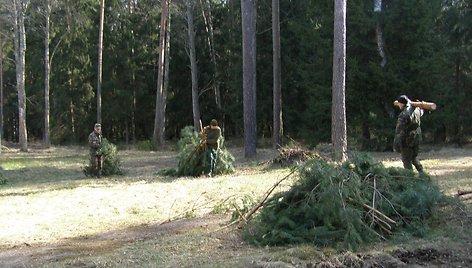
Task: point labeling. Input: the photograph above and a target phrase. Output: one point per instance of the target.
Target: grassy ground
(54, 216)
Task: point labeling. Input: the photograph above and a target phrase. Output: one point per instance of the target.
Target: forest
(419, 48)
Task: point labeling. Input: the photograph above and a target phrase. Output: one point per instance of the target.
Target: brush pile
(293, 155)
(345, 205)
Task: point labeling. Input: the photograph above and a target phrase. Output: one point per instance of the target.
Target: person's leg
(93, 164)
(211, 160)
(407, 157)
(415, 160)
(99, 165)
(214, 160)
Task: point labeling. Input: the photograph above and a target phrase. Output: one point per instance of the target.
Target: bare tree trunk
(1, 91)
(277, 94)
(193, 64)
(20, 48)
(47, 70)
(159, 119)
(133, 80)
(378, 31)
(100, 60)
(248, 14)
(72, 119)
(166, 74)
(338, 124)
(206, 10)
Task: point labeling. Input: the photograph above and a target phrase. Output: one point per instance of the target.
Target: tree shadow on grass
(35, 180)
(28, 255)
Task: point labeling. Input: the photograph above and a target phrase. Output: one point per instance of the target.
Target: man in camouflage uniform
(212, 134)
(95, 144)
(408, 133)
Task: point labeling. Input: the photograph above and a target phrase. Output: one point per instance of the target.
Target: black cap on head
(403, 99)
(214, 122)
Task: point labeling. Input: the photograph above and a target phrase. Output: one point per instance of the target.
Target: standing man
(95, 144)
(408, 133)
(213, 134)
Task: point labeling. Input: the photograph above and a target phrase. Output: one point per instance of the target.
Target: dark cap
(214, 122)
(98, 125)
(403, 99)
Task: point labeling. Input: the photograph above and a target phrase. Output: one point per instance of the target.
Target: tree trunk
(1, 91)
(277, 94)
(159, 119)
(338, 124)
(99, 64)
(378, 31)
(20, 48)
(193, 65)
(133, 81)
(206, 10)
(47, 68)
(166, 75)
(248, 14)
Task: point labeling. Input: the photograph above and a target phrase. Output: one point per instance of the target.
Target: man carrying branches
(408, 133)
(95, 144)
(211, 135)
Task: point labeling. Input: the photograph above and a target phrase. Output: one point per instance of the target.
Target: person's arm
(93, 141)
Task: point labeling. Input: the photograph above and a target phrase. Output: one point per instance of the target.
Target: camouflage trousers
(409, 158)
(96, 162)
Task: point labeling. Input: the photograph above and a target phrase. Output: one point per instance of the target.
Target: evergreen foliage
(345, 205)
(111, 162)
(192, 160)
(427, 48)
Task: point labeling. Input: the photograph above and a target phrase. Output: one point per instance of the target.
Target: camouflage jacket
(212, 136)
(95, 142)
(408, 129)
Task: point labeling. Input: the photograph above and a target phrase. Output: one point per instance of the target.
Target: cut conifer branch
(268, 193)
(385, 217)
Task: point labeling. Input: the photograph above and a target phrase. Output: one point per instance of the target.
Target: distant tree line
(420, 48)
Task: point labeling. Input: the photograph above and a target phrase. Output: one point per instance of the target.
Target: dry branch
(467, 198)
(261, 203)
(463, 192)
(385, 217)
